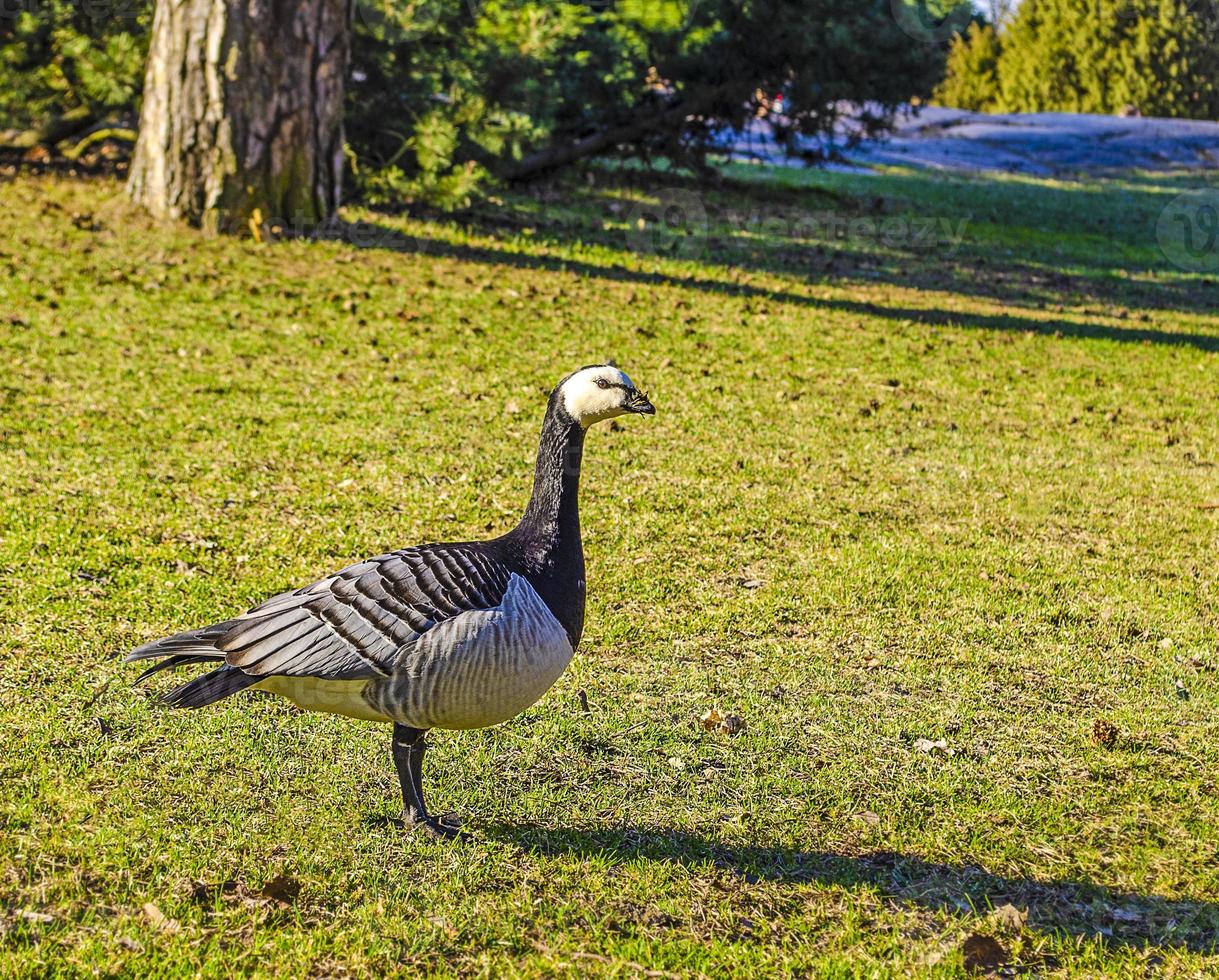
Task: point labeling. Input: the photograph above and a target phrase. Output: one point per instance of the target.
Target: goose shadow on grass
(366, 235)
(1065, 907)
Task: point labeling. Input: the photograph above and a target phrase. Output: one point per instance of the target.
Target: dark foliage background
(448, 96)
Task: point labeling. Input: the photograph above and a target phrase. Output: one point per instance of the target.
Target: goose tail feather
(200, 642)
(213, 686)
(187, 649)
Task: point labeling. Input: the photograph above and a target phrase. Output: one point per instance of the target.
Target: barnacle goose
(450, 636)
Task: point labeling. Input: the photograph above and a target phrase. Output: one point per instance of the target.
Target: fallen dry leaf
(255, 224)
(158, 920)
(732, 725)
(939, 745)
(281, 891)
(716, 721)
(1104, 733)
(186, 569)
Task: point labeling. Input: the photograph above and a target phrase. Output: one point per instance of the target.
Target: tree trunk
(243, 112)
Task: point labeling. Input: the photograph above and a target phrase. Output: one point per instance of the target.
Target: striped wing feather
(350, 625)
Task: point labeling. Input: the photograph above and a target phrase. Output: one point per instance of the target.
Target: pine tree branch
(560, 155)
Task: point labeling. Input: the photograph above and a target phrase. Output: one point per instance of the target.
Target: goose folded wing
(354, 624)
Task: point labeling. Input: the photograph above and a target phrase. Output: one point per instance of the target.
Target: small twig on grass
(97, 693)
(629, 728)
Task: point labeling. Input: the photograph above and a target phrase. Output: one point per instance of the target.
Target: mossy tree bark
(243, 110)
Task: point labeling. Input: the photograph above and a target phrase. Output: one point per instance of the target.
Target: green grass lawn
(894, 495)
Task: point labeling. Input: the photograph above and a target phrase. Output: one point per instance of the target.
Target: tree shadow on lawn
(368, 235)
(1074, 908)
(774, 228)
(995, 217)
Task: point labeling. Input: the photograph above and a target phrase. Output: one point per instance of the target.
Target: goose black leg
(409, 746)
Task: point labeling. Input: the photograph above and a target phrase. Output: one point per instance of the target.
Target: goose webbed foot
(409, 747)
(446, 826)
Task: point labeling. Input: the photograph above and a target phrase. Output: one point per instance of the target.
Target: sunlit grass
(981, 503)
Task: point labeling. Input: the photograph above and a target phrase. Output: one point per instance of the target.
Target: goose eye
(602, 383)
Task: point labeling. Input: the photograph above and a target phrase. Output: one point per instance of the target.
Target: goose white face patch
(596, 394)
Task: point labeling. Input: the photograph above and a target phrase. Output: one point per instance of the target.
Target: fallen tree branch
(560, 155)
(122, 133)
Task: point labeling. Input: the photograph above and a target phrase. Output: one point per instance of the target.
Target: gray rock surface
(1042, 144)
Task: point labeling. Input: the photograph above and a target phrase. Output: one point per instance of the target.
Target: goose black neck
(552, 519)
(546, 544)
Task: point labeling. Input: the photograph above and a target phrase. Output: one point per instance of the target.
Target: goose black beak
(639, 404)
